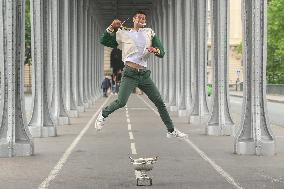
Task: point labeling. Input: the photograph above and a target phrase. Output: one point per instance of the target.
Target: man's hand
(152, 50)
(116, 24)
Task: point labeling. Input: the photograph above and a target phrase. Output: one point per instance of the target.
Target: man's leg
(126, 86)
(150, 89)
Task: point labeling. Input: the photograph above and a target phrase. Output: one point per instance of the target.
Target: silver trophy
(141, 167)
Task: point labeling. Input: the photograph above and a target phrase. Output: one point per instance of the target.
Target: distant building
(235, 69)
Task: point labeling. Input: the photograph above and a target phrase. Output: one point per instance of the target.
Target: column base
(73, 113)
(21, 148)
(196, 119)
(216, 130)
(182, 113)
(43, 131)
(249, 148)
(86, 105)
(80, 108)
(63, 121)
(174, 108)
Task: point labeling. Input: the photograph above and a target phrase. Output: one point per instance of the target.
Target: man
(136, 44)
(105, 86)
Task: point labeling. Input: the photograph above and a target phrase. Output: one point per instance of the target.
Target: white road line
(127, 115)
(129, 127)
(128, 120)
(219, 169)
(131, 136)
(56, 170)
(223, 173)
(133, 149)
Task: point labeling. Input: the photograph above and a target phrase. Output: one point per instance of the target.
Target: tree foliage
(275, 64)
(28, 54)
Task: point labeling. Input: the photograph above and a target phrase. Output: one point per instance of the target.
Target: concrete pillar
(153, 59)
(99, 70)
(58, 112)
(171, 56)
(49, 55)
(188, 55)
(86, 96)
(79, 23)
(74, 65)
(68, 59)
(255, 135)
(15, 138)
(159, 61)
(40, 124)
(166, 77)
(90, 53)
(180, 61)
(200, 107)
(220, 122)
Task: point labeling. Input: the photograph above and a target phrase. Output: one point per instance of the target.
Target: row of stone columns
(67, 68)
(181, 74)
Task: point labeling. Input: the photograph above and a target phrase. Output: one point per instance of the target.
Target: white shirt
(140, 41)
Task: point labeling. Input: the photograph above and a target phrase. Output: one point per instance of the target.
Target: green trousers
(132, 78)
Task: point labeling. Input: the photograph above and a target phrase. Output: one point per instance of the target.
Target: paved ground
(100, 160)
(270, 98)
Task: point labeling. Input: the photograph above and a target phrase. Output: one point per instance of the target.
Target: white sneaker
(177, 134)
(100, 121)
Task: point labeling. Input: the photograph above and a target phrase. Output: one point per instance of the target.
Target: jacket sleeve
(108, 40)
(156, 43)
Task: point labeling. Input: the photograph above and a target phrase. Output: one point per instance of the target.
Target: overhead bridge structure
(67, 61)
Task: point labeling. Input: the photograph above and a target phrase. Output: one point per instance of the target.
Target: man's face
(139, 19)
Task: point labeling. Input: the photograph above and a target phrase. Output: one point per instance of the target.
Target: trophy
(141, 167)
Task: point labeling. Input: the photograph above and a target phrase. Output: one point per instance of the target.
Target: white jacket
(127, 45)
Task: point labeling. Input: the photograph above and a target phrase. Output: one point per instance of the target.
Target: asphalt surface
(275, 110)
(80, 157)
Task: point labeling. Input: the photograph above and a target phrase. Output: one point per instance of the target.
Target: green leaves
(28, 54)
(275, 64)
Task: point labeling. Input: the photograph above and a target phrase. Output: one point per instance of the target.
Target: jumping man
(136, 44)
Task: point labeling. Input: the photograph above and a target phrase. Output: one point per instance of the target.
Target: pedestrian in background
(105, 86)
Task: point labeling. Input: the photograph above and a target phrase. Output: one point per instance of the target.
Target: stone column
(85, 54)
(58, 112)
(15, 137)
(68, 48)
(180, 59)
(155, 61)
(171, 56)
(90, 54)
(166, 77)
(220, 122)
(40, 124)
(200, 107)
(188, 55)
(255, 135)
(159, 61)
(49, 55)
(79, 63)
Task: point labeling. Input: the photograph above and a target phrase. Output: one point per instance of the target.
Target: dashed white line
(131, 136)
(129, 127)
(223, 173)
(133, 149)
(56, 170)
(128, 120)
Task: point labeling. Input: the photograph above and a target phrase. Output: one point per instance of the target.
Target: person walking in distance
(105, 86)
(137, 44)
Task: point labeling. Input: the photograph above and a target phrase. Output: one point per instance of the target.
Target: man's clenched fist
(116, 24)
